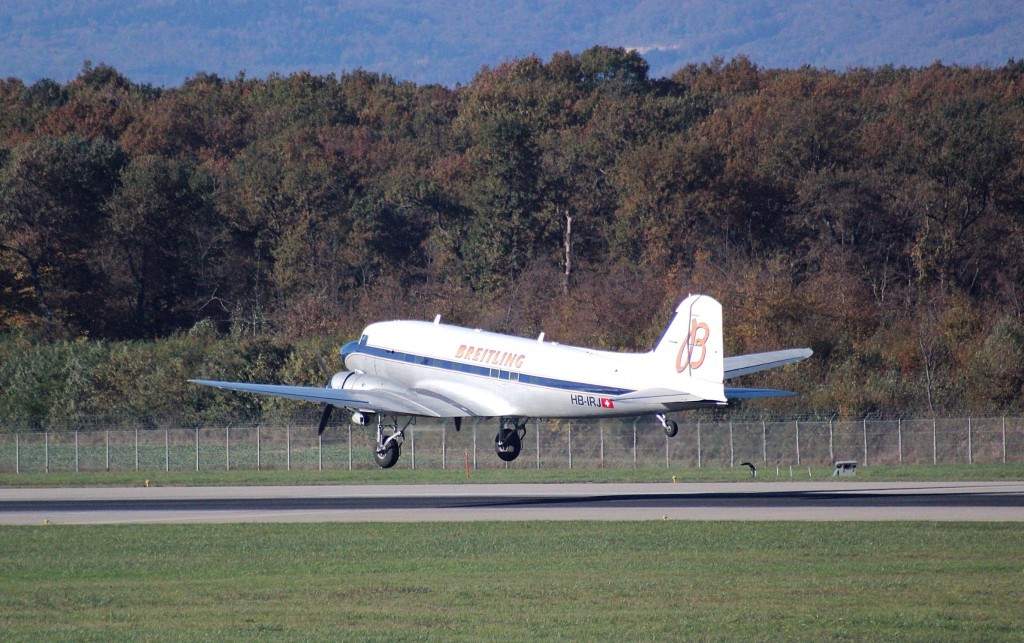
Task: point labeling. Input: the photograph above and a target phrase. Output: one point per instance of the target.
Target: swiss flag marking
(607, 403)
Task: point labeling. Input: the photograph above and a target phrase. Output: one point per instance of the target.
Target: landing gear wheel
(671, 428)
(507, 444)
(388, 457)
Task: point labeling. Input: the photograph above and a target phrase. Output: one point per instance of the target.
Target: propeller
(325, 418)
(328, 408)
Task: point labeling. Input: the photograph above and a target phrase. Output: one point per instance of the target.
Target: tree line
(874, 215)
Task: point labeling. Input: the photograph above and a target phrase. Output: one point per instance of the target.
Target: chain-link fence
(554, 444)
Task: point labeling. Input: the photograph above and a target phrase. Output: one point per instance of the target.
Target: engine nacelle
(359, 381)
(359, 419)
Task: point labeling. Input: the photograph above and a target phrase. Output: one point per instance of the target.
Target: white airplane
(430, 369)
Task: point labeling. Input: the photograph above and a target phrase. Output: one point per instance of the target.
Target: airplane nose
(347, 350)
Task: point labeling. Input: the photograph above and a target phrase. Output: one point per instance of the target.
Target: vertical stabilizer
(690, 351)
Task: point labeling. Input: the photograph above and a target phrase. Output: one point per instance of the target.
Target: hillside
(874, 215)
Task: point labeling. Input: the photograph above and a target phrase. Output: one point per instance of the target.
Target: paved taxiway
(830, 500)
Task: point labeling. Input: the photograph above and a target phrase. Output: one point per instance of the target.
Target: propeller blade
(325, 418)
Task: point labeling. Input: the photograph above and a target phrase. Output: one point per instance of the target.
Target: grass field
(966, 472)
(514, 581)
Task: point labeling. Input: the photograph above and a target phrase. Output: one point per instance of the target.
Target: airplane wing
(409, 403)
(755, 362)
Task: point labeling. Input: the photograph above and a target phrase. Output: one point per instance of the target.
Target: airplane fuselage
(498, 375)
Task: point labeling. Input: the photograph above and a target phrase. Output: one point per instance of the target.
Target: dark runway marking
(760, 500)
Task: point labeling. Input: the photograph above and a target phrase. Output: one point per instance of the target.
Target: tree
(160, 219)
(52, 194)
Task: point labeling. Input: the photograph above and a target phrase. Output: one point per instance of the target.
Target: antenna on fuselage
(540, 338)
(437, 320)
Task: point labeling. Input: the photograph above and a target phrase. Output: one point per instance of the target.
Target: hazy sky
(448, 41)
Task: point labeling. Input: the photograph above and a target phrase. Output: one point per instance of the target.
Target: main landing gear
(509, 441)
(389, 441)
(671, 428)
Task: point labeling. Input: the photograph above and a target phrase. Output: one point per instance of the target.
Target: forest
(232, 228)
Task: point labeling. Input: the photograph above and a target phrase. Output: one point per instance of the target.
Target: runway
(831, 500)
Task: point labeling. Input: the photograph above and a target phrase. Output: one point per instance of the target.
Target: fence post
(76, 451)
(197, 448)
(288, 446)
(797, 422)
(257, 447)
(935, 455)
(570, 445)
(899, 437)
(732, 457)
(46, 447)
(536, 426)
(865, 442)
(167, 450)
(320, 452)
(970, 451)
(136, 448)
(601, 429)
(227, 448)
(1004, 439)
(764, 442)
(444, 451)
(412, 441)
(17, 453)
(635, 420)
(666, 450)
(698, 445)
(474, 448)
(350, 446)
(107, 440)
(831, 452)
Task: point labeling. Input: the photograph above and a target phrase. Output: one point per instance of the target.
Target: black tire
(507, 444)
(671, 429)
(389, 457)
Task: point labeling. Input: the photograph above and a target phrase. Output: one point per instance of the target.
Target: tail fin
(690, 351)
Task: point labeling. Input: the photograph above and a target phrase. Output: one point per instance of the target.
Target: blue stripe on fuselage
(353, 348)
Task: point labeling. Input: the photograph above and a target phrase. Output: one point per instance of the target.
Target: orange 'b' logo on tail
(698, 338)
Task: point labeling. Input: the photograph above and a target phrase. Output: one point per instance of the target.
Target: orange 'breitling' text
(490, 356)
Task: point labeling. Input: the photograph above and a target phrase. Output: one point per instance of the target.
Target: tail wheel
(507, 444)
(387, 457)
(671, 428)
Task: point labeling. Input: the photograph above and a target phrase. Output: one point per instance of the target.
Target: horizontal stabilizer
(756, 362)
(704, 393)
(655, 395)
(734, 393)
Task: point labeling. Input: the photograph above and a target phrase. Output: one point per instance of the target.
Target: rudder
(691, 348)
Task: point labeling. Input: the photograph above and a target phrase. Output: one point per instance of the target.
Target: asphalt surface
(827, 500)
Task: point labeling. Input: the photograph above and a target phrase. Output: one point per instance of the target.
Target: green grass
(398, 475)
(509, 581)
